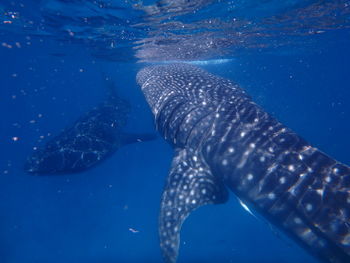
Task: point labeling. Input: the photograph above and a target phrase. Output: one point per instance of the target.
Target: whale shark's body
(223, 139)
(91, 139)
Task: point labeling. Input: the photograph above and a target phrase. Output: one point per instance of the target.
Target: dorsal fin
(190, 185)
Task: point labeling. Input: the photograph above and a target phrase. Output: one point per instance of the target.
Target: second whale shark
(92, 138)
(223, 140)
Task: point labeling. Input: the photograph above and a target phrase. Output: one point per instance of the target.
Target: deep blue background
(87, 217)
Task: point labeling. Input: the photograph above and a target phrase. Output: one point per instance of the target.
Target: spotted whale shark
(224, 141)
(92, 138)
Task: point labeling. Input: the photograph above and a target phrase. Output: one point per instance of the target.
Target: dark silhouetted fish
(223, 139)
(92, 138)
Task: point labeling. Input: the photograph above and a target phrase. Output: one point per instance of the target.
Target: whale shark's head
(178, 82)
(30, 166)
(43, 161)
(145, 77)
(53, 158)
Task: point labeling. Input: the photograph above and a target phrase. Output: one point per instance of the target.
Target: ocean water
(292, 57)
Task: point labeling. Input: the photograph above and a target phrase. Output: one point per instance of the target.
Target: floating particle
(4, 44)
(14, 75)
(132, 230)
(32, 121)
(18, 44)
(7, 22)
(15, 138)
(81, 70)
(40, 115)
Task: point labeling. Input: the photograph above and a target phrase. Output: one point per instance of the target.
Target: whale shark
(92, 138)
(223, 141)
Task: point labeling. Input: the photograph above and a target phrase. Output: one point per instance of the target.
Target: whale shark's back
(297, 187)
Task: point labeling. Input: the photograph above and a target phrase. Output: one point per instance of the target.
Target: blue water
(293, 58)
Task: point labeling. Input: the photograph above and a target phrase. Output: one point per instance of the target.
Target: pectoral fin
(190, 185)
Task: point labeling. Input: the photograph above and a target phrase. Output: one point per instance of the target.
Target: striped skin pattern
(222, 139)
